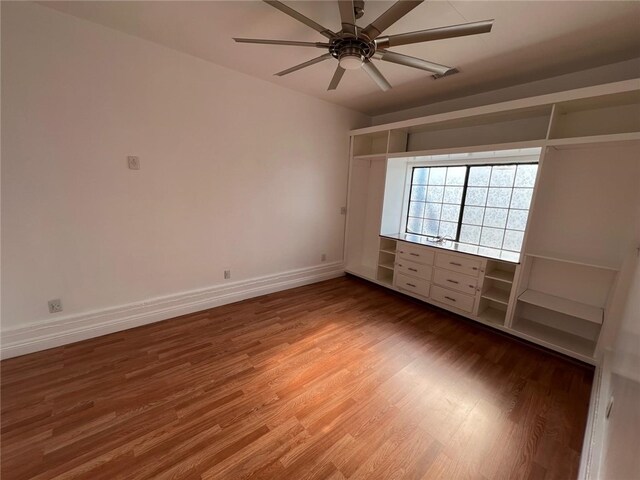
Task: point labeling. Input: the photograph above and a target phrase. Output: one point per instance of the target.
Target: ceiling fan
(355, 47)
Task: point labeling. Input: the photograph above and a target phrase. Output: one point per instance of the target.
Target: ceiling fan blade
(451, 31)
(406, 60)
(391, 16)
(319, 59)
(301, 18)
(347, 16)
(282, 42)
(375, 75)
(337, 76)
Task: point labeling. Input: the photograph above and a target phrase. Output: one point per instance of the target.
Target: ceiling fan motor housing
(351, 52)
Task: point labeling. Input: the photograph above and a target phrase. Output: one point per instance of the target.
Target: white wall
(236, 172)
(584, 78)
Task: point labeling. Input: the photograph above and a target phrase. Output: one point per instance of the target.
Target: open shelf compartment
(563, 305)
(492, 312)
(617, 113)
(370, 144)
(558, 329)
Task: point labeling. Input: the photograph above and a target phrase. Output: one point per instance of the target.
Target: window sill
(486, 252)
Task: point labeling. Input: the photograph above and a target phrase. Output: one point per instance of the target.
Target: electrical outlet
(323, 257)
(55, 306)
(134, 162)
(227, 274)
(343, 210)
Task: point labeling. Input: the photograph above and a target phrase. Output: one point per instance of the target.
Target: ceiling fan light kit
(354, 47)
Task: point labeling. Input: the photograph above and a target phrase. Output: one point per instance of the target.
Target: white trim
(595, 427)
(72, 328)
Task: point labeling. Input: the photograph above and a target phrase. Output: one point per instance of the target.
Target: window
(484, 205)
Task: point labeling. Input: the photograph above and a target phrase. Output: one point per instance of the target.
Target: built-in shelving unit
(496, 291)
(386, 261)
(578, 230)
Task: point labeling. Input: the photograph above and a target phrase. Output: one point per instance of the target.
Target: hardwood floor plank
(336, 380)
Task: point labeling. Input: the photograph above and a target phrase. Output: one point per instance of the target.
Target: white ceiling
(530, 40)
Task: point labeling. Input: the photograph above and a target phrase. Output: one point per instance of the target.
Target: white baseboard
(73, 328)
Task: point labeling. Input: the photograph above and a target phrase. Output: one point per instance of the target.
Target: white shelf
(500, 275)
(555, 338)
(575, 260)
(589, 140)
(493, 316)
(563, 305)
(386, 265)
(496, 295)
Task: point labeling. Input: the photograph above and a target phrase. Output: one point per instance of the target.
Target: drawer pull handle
(455, 263)
(414, 254)
(475, 268)
(449, 298)
(472, 286)
(412, 269)
(452, 281)
(411, 285)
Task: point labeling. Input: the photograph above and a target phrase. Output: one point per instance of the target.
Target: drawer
(414, 269)
(455, 281)
(415, 285)
(415, 253)
(455, 299)
(467, 265)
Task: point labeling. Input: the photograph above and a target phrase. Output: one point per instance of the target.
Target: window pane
(517, 219)
(491, 237)
(430, 227)
(416, 209)
(513, 240)
(452, 195)
(526, 175)
(502, 176)
(476, 196)
(414, 225)
(473, 215)
(434, 194)
(495, 217)
(521, 198)
(437, 176)
(455, 175)
(432, 211)
(450, 213)
(420, 176)
(479, 176)
(448, 229)
(499, 197)
(418, 193)
(470, 234)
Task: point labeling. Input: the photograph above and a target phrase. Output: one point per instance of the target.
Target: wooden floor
(340, 379)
